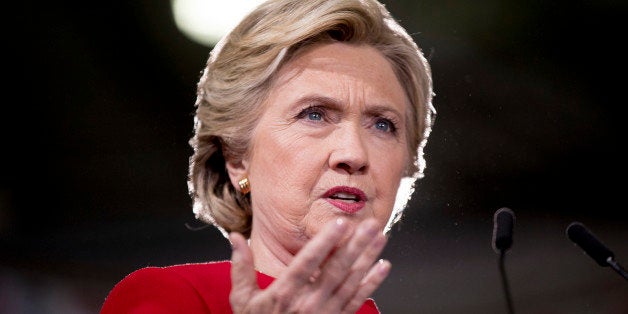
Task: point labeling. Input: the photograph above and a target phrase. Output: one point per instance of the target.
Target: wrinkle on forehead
(333, 57)
(339, 63)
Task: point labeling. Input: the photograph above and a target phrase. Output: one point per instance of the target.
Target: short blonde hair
(240, 71)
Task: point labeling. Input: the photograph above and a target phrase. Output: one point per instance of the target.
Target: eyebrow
(335, 104)
(319, 99)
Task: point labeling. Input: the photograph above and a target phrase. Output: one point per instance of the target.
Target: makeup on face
(348, 199)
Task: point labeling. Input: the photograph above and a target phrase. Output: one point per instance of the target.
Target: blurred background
(98, 110)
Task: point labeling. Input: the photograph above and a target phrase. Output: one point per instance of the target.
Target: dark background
(530, 98)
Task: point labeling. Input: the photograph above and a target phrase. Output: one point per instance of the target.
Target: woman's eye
(385, 125)
(312, 114)
(316, 116)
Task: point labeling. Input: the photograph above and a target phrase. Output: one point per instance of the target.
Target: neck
(270, 257)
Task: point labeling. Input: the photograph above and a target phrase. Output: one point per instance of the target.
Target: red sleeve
(186, 289)
(369, 307)
(156, 291)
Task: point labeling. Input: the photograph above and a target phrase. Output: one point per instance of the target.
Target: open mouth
(345, 197)
(348, 199)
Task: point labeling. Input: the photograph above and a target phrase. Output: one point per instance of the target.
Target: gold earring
(245, 186)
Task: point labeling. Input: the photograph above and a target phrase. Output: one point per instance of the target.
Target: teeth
(345, 196)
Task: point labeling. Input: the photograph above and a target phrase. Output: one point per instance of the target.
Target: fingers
(368, 285)
(357, 255)
(332, 272)
(243, 276)
(348, 274)
(307, 263)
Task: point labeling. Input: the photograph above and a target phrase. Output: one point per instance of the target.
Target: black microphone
(592, 246)
(503, 225)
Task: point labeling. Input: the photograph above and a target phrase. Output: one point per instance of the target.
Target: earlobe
(237, 171)
(245, 186)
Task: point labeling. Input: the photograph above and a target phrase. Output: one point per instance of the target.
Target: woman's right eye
(315, 116)
(312, 114)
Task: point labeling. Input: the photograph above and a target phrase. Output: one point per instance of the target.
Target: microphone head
(503, 224)
(580, 235)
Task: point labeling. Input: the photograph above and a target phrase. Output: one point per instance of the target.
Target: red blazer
(187, 288)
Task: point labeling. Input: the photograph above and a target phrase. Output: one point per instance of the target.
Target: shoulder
(186, 288)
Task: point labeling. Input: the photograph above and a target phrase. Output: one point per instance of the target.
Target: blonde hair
(240, 71)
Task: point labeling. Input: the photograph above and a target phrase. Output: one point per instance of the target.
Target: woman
(310, 115)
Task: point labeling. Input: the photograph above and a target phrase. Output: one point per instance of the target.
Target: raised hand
(324, 277)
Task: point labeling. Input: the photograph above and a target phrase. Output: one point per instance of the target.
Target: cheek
(284, 170)
(389, 161)
(388, 168)
(285, 156)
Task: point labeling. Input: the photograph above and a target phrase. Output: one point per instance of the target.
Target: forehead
(341, 67)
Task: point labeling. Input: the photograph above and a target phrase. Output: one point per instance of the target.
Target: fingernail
(383, 267)
(340, 225)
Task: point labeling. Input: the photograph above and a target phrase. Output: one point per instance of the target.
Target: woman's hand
(322, 278)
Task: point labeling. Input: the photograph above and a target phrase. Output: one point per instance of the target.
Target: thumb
(243, 276)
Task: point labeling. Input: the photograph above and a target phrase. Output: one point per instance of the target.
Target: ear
(237, 171)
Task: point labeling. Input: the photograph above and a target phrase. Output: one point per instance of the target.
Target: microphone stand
(615, 266)
(502, 270)
(592, 246)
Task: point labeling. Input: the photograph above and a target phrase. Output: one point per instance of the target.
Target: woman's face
(330, 143)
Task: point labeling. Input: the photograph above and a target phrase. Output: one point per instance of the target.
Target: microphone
(503, 224)
(592, 246)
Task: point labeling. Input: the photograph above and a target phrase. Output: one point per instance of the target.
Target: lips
(346, 198)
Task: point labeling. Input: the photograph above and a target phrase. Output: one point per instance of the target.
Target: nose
(349, 152)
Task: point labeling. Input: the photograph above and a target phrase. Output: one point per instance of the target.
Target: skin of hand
(334, 273)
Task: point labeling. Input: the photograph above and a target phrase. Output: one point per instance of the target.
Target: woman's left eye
(385, 125)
